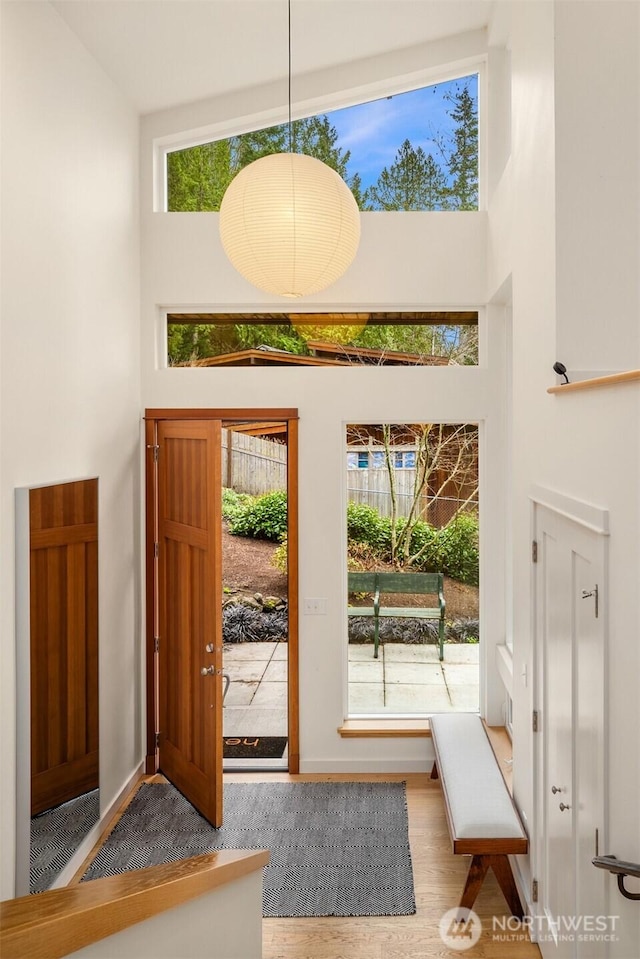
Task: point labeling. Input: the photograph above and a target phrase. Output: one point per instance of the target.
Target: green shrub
(234, 503)
(452, 550)
(424, 540)
(365, 525)
(458, 554)
(265, 517)
(280, 557)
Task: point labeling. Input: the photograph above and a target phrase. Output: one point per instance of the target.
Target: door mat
(336, 848)
(254, 747)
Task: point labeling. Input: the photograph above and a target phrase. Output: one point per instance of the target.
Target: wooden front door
(189, 638)
(63, 561)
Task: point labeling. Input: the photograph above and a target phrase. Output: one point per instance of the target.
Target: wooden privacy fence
(372, 488)
(251, 464)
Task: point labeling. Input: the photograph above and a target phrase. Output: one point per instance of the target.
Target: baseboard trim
(523, 885)
(366, 765)
(66, 875)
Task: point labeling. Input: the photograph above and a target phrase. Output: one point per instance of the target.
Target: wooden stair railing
(53, 924)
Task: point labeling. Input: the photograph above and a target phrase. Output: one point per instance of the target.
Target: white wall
(70, 269)
(405, 261)
(586, 445)
(597, 184)
(70, 349)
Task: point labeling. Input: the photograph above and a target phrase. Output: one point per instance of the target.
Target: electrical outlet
(314, 606)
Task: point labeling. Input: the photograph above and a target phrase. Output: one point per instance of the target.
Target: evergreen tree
(317, 138)
(463, 159)
(413, 182)
(355, 185)
(198, 177)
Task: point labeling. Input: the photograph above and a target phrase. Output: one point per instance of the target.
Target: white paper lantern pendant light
(288, 222)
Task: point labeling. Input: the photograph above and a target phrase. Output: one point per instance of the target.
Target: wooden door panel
(64, 642)
(190, 615)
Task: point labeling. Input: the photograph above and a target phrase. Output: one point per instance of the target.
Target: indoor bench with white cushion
(481, 816)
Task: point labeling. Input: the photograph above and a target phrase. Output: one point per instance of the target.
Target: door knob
(211, 648)
(563, 806)
(208, 671)
(556, 789)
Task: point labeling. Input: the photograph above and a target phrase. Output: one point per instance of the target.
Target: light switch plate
(314, 606)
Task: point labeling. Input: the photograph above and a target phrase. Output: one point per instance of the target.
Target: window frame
(336, 100)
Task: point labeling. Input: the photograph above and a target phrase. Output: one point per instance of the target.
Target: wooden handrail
(597, 382)
(55, 923)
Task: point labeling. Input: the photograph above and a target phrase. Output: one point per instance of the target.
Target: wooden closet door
(63, 545)
(190, 611)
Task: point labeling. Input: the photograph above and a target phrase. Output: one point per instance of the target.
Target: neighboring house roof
(323, 354)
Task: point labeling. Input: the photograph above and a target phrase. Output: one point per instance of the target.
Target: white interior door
(555, 891)
(570, 769)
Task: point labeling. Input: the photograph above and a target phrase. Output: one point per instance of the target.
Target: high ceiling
(162, 53)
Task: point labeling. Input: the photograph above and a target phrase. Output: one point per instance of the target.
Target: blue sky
(374, 131)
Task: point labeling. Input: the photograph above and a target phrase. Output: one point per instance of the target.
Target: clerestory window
(414, 151)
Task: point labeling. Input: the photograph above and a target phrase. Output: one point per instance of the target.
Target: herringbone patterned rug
(337, 849)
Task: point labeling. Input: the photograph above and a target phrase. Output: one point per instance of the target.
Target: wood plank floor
(438, 880)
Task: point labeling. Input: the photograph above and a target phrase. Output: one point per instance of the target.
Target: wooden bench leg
(434, 771)
(376, 636)
(475, 878)
(502, 870)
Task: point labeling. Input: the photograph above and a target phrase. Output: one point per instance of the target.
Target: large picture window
(413, 615)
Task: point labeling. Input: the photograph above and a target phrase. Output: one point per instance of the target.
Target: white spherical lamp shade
(289, 224)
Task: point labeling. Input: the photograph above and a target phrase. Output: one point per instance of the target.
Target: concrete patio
(410, 679)
(403, 680)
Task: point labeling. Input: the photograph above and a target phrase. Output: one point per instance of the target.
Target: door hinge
(156, 643)
(157, 740)
(534, 551)
(535, 721)
(534, 890)
(156, 450)
(156, 550)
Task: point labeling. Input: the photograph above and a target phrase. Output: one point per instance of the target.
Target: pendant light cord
(289, 35)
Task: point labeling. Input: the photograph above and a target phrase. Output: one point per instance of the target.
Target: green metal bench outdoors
(383, 583)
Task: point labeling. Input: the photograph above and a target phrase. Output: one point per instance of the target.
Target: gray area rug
(337, 849)
(55, 836)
